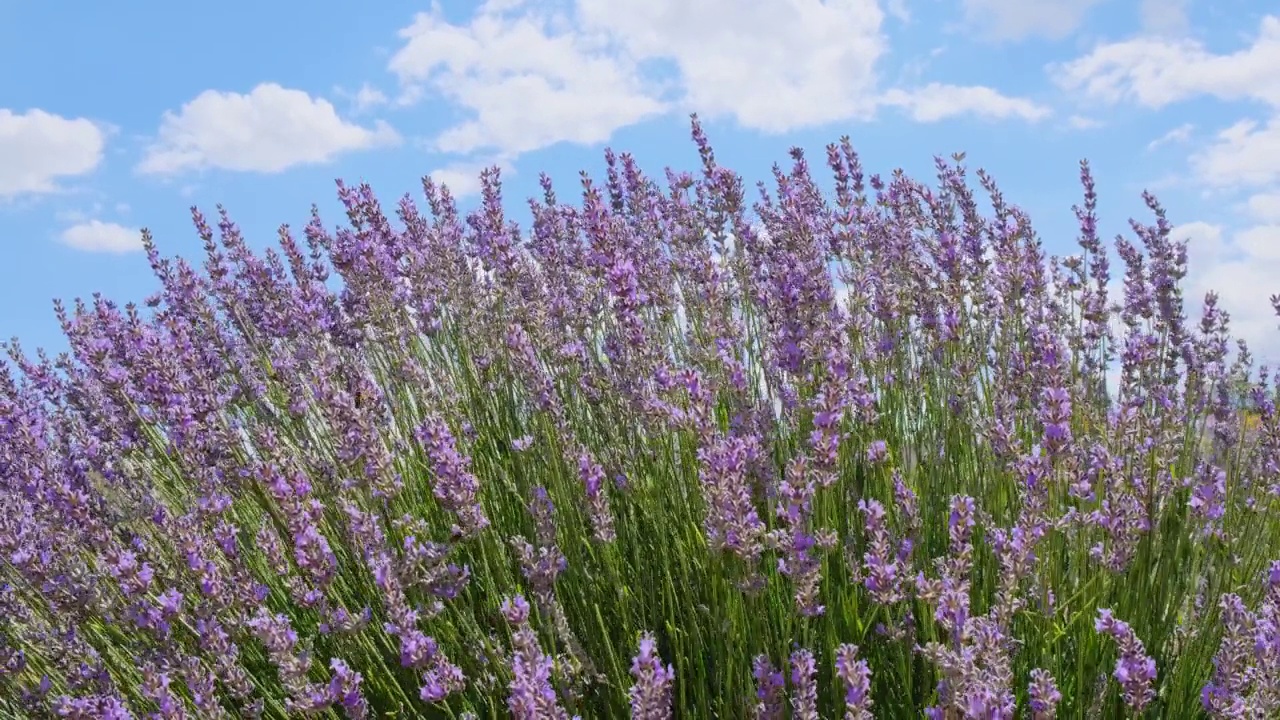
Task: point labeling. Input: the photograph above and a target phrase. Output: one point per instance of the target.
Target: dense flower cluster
(855, 451)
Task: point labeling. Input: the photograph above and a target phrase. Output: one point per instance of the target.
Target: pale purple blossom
(651, 694)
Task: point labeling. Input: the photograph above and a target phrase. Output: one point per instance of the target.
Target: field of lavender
(679, 450)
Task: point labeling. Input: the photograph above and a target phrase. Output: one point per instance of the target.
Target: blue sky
(119, 116)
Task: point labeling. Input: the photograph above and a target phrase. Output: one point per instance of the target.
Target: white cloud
(1265, 206)
(1244, 285)
(1204, 241)
(1180, 134)
(1155, 72)
(1240, 259)
(1082, 122)
(368, 97)
(1020, 19)
(1243, 268)
(102, 237)
(898, 10)
(463, 178)
(270, 129)
(363, 100)
(529, 75)
(772, 66)
(1261, 242)
(935, 102)
(1243, 154)
(527, 80)
(39, 148)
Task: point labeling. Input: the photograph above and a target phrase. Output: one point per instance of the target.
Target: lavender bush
(670, 453)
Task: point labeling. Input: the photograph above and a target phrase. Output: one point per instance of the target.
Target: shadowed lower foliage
(669, 453)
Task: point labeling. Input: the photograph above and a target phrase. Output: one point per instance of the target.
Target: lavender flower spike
(1135, 670)
(1044, 695)
(770, 686)
(651, 693)
(532, 695)
(456, 487)
(804, 681)
(856, 676)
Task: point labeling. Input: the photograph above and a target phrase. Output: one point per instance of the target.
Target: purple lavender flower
(314, 555)
(532, 695)
(976, 671)
(732, 522)
(804, 685)
(877, 451)
(1044, 695)
(960, 524)
(1208, 498)
(1246, 668)
(882, 572)
(856, 677)
(155, 687)
(102, 707)
(276, 633)
(592, 476)
(1224, 695)
(1135, 670)
(770, 687)
(344, 689)
(803, 548)
(1055, 415)
(455, 487)
(541, 565)
(651, 693)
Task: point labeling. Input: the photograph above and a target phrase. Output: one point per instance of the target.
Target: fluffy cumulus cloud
(935, 102)
(773, 66)
(1246, 153)
(39, 148)
(1236, 255)
(1241, 263)
(1155, 71)
(270, 129)
(102, 237)
(525, 78)
(368, 97)
(531, 75)
(1265, 206)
